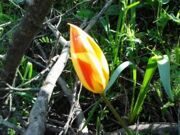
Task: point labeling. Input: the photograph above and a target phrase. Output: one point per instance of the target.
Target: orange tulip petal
(89, 61)
(79, 47)
(86, 67)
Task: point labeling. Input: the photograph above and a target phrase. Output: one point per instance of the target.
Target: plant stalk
(116, 115)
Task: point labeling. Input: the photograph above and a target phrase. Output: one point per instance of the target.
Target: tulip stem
(116, 115)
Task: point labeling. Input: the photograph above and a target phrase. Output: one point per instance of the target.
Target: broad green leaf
(116, 73)
(164, 71)
(151, 67)
(150, 70)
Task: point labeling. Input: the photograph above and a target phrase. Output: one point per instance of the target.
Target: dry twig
(154, 128)
(39, 111)
(76, 110)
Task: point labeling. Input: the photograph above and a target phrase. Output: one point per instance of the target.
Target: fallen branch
(37, 118)
(95, 18)
(154, 128)
(38, 113)
(69, 93)
(26, 30)
(76, 110)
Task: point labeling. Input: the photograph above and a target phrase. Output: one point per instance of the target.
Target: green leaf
(164, 71)
(116, 74)
(150, 70)
(151, 67)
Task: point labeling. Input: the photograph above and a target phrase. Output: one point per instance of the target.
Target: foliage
(129, 33)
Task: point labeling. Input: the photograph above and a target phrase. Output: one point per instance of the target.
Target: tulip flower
(88, 60)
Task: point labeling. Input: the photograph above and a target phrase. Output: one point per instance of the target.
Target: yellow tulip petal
(80, 73)
(89, 61)
(98, 76)
(79, 47)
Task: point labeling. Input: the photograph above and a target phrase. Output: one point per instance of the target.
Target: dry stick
(79, 113)
(71, 113)
(152, 128)
(38, 113)
(5, 24)
(95, 18)
(67, 92)
(70, 95)
(74, 103)
(41, 74)
(35, 62)
(66, 12)
(14, 89)
(22, 37)
(43, 54)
